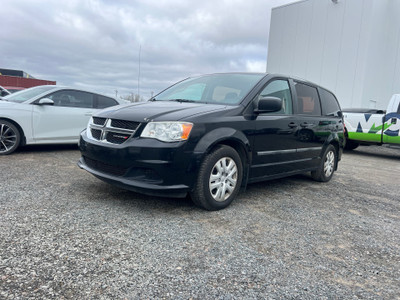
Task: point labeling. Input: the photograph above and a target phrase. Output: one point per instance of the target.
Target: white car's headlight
(167, 131)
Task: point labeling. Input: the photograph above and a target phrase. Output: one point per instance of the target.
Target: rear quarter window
(104, 102)
(307, 100)
(330, 105)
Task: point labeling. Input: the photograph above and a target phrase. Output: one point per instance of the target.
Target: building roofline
(284, 5)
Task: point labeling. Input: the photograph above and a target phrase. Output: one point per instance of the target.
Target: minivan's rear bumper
(145, 166)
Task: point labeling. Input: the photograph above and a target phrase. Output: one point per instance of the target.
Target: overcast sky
(95, 44)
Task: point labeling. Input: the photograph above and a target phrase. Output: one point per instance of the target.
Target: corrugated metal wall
(351, 48)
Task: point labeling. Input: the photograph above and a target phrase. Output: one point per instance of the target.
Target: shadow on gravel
(381, 152)
(46, 148)
(129, 199)
(294, 180)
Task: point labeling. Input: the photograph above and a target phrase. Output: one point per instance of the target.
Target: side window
(69, 98)
(307, 100)
(280, 89)
(330, 106)
(398, 109)
(103, 102)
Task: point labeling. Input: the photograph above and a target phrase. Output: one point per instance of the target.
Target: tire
(219, 179)
(10, 137)
(327, 166)
(351, 145)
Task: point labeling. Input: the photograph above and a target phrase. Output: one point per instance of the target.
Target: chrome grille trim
(107, 128)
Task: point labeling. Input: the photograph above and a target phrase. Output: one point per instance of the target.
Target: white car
(47, 114)
(4, 92)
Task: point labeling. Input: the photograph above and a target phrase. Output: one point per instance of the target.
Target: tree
(132, 98)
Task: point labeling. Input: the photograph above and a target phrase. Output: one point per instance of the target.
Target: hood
(159, 111)
(6, 104)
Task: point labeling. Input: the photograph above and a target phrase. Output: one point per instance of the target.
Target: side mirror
(268, 104)
(46, 101)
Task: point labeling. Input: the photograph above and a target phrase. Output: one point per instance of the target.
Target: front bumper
(145, 166)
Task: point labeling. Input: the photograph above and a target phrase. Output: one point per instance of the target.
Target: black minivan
(207, 136)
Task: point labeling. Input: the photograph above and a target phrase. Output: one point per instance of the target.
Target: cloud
(96, 44)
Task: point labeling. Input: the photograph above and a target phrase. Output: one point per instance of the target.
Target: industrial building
(351, 47)
(17, 79)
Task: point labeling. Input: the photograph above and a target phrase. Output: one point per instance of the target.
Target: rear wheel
(351, 145)
(327, 166)
(10, 137)
(219, 179)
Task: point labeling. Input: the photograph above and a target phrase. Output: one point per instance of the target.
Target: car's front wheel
(219, 179)
(327, 166)
(10, 137)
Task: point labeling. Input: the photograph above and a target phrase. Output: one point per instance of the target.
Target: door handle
(89, 114)
(305, 124)
(292, 125)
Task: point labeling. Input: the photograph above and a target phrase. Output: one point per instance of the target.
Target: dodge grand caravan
(208, 136)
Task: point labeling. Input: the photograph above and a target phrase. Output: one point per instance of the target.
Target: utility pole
(138, 80)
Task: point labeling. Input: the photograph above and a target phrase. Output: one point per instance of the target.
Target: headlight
(167, 131)
(88, 131)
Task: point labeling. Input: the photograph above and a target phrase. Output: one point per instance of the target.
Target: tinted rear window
(330, 106)
(307, 100)
(103, 102)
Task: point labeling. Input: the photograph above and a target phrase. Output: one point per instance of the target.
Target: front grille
(116, 137)
(124, 124)
(111, 130)
(99, 121)
(96, 133)
(104, 167)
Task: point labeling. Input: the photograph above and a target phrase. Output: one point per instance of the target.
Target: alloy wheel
(8, 138)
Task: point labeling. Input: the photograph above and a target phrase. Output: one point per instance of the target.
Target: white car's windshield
(27, 94)
(216, 88)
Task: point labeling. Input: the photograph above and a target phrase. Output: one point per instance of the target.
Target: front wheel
(327, 167)
(219, 179)
(9, 137)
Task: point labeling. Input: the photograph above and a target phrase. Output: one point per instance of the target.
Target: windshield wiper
(181, 100)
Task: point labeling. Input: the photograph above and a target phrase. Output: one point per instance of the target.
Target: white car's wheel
(10, 137)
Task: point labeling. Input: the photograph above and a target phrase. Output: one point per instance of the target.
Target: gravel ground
(65, 234)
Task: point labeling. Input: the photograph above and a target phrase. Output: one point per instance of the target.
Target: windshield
(27, 94)
(216, 88)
